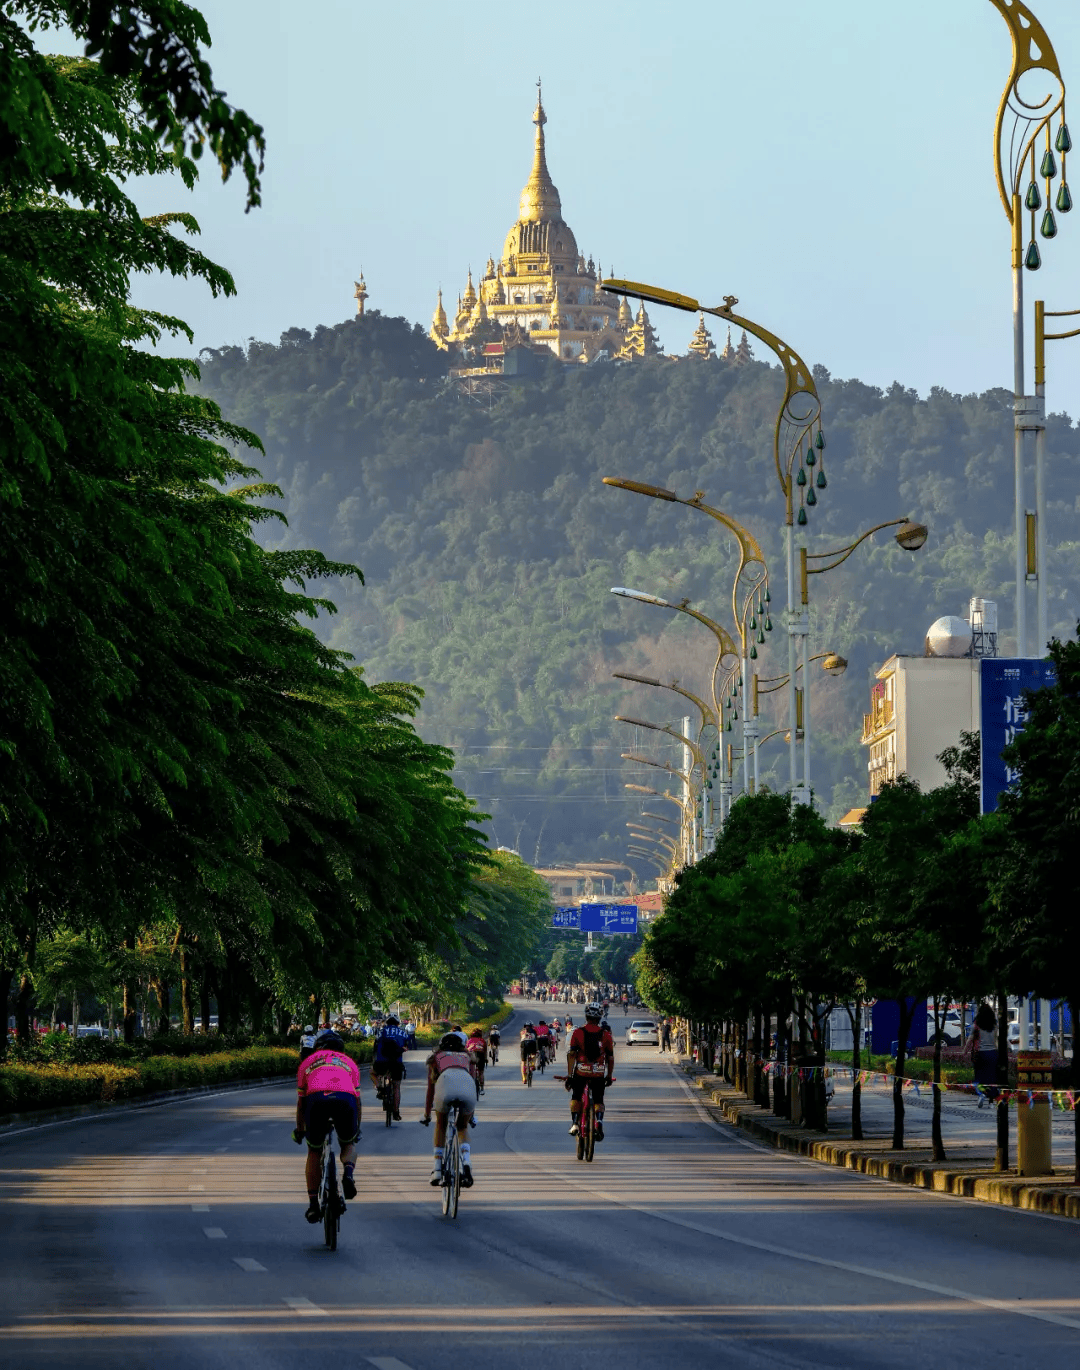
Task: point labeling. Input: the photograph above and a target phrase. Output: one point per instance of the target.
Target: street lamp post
(1022, 119)
(798, 447)
(685, 804)
(1040, 567)
(699, 760)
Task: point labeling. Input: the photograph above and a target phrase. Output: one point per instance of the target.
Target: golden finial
(539, 200)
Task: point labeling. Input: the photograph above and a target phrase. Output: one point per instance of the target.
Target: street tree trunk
(1074, 1004)
(941, 1004)
(187, 1005)
(1001, 1151)
(854, 1013)
(907, 1012)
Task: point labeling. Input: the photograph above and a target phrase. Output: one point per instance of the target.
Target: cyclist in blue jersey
(388, 1063)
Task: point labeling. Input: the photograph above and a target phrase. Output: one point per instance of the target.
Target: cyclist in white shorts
(451, 1083)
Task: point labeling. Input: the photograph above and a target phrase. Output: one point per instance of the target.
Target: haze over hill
(489, 546)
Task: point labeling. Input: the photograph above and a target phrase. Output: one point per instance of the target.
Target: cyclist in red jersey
(590, 1059)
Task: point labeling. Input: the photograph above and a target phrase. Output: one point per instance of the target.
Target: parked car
(644, 1032)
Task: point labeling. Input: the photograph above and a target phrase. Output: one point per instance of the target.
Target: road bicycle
(331, 1204)
(586, 1138)
(542, 1056)
(493, 1053)
(385, 1093)
(450, 1164)
(530, 1066)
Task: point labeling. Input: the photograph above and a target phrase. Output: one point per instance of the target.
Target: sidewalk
(968, 1171)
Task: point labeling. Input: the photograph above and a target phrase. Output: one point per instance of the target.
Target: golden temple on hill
(542, 292)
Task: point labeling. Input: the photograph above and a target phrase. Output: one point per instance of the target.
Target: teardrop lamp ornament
(801, 520)
(821, 481)
(1048, 167)
(819, 441)
(1033, 200)
(811, 456)
(811, 498)
(753, 653)
(1063, 142)
(1048, 227)
(1064, 198)
(761, 635)
(800, 478)
(753, 622)
(768, 597)
(1033, 258)
(768, 624)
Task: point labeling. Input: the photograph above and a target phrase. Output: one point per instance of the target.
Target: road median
(968, 1173)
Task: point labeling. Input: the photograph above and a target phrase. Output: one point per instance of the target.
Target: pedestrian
(981, 1046)
(665, 1035)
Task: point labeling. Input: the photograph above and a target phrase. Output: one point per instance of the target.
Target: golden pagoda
(542, 290)
(701, 344)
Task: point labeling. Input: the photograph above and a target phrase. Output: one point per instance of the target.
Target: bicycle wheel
(388, 1103)
(331, 1216)
(455, 1179)
(581, 1124)
(447, 1167)
(588, 1123)
(529, 1073)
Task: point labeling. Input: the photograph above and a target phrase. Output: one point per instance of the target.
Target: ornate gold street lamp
(699, 761)
(1024, 122)
(643, 834)
(687, 806)
(1035, 527)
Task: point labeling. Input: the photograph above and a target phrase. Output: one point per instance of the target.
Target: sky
(830, 164)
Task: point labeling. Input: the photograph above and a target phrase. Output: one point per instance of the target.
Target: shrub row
(28, 1086)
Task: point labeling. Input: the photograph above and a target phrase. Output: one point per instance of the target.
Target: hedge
(24, 1087)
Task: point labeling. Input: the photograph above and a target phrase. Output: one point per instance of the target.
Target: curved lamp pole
(686, 805)
(798, 447)
(709, 718)
(909, 535)
(1023, 120)
(699, 760)
(641, 834)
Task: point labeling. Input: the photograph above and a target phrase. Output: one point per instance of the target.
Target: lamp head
(641, 597)
(911, 536)
(834, 664)
(641, 487)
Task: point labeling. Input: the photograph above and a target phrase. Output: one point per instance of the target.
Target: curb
(13, 1123)
(1061, 1199)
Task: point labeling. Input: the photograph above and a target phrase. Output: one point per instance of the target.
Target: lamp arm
(1028, 39)
(844, 552)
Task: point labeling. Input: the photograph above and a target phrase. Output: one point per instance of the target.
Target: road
(174, 1236)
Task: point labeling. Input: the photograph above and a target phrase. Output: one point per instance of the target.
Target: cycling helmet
(450, 1042)
(542, 1023)
(392, 1021)
(328, 1040)
(593, 1013)
(308, 1029)
(528, 1027)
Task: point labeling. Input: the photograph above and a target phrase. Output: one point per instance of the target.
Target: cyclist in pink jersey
(327, 1089)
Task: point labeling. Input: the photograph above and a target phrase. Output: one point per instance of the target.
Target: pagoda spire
(539, 199)
(360, 294)
(701, 344)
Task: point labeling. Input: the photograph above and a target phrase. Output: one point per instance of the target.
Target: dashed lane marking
(216, 1234)
(387, 1363)
(220, 1149)
(306, 1308)
(200, 1208)
(247, 1263)
(196, 1188)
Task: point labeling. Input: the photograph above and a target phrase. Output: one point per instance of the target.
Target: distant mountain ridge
(489, 545)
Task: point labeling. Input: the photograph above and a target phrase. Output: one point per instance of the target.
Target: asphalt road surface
(174, 1236)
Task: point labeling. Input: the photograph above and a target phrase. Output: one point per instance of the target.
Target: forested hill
(489, 545)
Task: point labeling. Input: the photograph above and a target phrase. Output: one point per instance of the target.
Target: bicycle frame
(329, 1204)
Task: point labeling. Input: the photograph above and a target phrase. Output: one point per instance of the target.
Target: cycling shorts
(596, 1085)
(454, 1086)
(395, 1069)
(338, 1107)
(528, 1047)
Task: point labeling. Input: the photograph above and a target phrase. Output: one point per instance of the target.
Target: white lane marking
(200, 1208)
(199, 1172)
(246, 1263)
(236, 1139)
(306, 1308)
(216, 1234)
(387, 1363)
(196, 1188)
(220, 1149)
(945, 1291)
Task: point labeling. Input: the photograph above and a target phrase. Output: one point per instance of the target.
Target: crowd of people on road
(328, 1082)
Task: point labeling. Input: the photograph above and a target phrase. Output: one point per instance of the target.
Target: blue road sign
(609, 918)
(605, 918)
(1002, 715)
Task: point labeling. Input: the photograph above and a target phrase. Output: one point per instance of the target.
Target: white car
(643, 1031)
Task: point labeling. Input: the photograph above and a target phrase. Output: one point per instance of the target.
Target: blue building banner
(1003, 714)
(604, 918)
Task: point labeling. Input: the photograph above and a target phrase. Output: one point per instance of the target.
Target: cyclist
(528, 1043)
(569, 1026)
(543, 1033)
(388, 1062)
(556, 1030)
(590, 1057)
(327, 1089)
(494, 1038)
(451, 1083)
(307, 1042)
(477, 1049)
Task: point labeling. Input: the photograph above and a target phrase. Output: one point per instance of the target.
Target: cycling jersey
(593, 1050)
(441, 1064)
(328, 1072)
(391, 1044)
